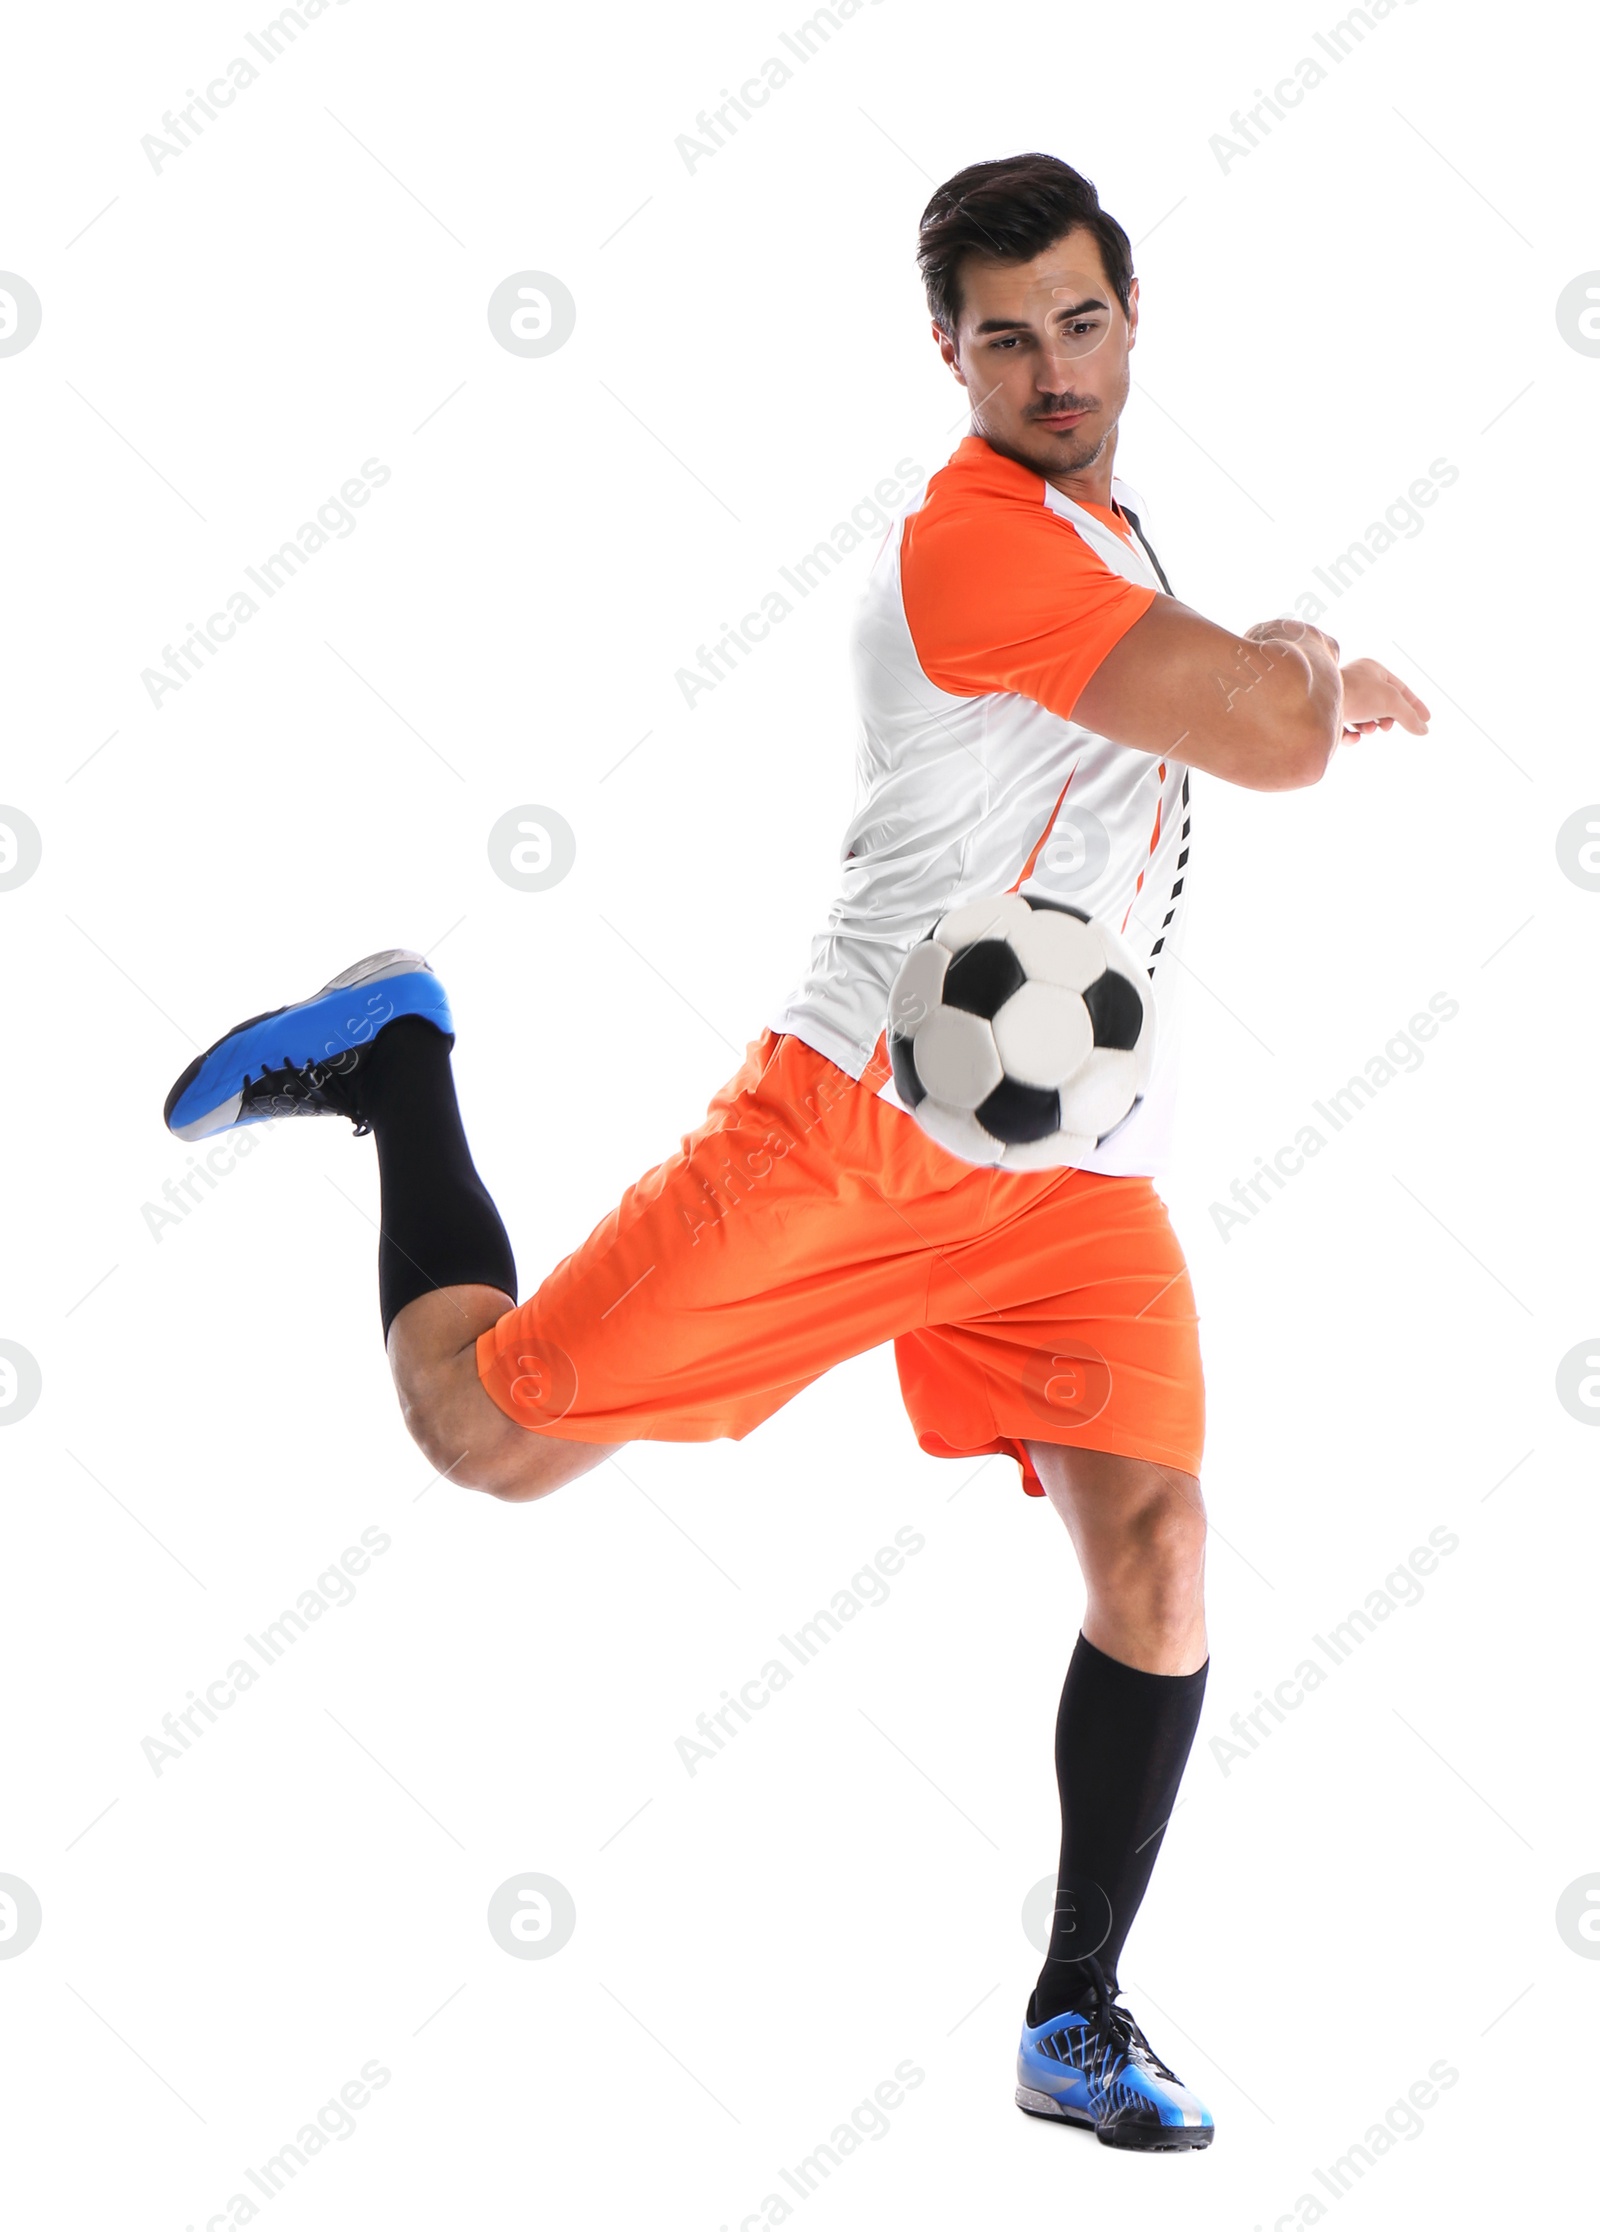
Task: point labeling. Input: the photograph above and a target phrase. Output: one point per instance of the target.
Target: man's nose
(1054, 375)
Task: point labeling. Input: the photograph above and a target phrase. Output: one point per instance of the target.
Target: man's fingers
(1409, 711)
(1386, 701)
(1413, 715)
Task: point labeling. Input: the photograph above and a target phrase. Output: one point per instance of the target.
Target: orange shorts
(807, 1220)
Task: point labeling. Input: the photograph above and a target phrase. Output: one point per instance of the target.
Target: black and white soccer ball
(1021, 1032)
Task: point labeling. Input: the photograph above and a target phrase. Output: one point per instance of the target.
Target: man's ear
(1133, 312)
(947, 349)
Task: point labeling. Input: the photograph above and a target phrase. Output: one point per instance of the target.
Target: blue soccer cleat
(304, 1060)
(1098, 2069)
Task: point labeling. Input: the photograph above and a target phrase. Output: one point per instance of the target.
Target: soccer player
(1017, 642)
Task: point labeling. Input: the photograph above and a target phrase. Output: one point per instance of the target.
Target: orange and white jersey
(992, 602)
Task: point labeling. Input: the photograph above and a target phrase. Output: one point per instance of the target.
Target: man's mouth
(1058, 422)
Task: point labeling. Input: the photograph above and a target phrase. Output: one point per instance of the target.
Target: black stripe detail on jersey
(1133, 521)
(1183, 856)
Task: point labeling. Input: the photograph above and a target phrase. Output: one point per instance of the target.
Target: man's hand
(1375, 699)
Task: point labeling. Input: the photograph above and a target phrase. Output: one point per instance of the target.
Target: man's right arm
(1266, 710)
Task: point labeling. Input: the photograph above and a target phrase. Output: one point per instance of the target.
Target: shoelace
(341, 1095)
(1117, 2037)
(317, 1076)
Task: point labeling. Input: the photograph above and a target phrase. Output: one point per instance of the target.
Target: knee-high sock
(440, 1227)
(1122, 1737)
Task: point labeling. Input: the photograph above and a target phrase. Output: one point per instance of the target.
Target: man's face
(1042, 349)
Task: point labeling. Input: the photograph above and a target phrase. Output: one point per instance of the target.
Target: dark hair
(1011, 210)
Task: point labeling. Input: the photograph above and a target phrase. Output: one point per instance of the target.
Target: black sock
(1122, 1737)
(440, 1228)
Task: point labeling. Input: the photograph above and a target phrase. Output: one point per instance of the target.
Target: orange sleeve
(1002, 594)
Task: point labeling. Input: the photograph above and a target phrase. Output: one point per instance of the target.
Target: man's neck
(1092, 483)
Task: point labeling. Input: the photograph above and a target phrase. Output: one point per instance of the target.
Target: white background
(1370, 1892)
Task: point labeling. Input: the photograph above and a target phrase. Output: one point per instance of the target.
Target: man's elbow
(1295, 751)
(1314, 752)
(1298, 713)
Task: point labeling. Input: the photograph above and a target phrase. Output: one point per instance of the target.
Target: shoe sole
(1051, 2111)
(1151, 2139)
(320, 1028)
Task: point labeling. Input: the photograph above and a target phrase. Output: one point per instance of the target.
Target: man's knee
(470, 1442)
(1172, 1525)
(455, 1425)
(1163, 1547)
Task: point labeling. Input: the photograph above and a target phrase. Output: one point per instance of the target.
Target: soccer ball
(1021, 1032)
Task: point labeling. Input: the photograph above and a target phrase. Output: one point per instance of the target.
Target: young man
(1016, 641)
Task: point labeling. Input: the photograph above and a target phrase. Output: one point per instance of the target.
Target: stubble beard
(1055, 456)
